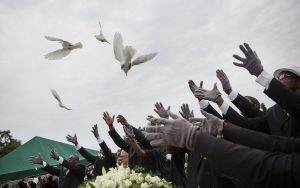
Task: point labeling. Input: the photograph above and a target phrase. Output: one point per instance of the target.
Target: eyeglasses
(287, 75)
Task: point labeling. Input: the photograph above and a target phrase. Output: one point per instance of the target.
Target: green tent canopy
(15, 165)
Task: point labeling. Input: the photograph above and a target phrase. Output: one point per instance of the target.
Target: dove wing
(54, 39)
(118, 46)
(143, 58)
(58, 54)
(100, 27)
(66, 107)
(55, 95)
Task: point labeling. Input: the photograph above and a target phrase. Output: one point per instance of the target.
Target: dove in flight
(124, 54)
(67, 48)
(56, 96)
(101, 37)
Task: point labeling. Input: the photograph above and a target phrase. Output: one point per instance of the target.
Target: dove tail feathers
(78, 45)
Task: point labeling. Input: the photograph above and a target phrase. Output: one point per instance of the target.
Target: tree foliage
(7, 142)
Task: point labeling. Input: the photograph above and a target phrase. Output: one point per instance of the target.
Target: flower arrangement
(123, 177)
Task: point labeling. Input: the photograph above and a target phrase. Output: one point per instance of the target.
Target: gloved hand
(129, 132)
(177, 132)
(208, 95)
(186, 113)
(121, 119)
(72, 139)
(54, 154)
(211, 124)
(252, 62)
(193, 87)
(36, 159)
(224, 80)
(95, 131)
(161, 111)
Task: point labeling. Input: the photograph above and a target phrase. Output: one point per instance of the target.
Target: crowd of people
(250, 148)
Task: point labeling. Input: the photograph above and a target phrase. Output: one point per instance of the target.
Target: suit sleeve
(89, 157)
(257, 124)
(141, 138)
(107, 152)
(250, 164)
(119, 141)
(212, 111)
(77, 169)
(246, 107)
(52, 170)
(262, 141)
(288, 100)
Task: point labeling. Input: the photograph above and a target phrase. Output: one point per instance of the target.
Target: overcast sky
(192, 38)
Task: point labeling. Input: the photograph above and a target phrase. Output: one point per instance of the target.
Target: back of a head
(254, 101)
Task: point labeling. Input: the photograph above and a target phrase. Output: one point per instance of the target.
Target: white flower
(169, 156)
(148, 178)
(109, 184)
(155, 179)
(127, 183)
(145, 185)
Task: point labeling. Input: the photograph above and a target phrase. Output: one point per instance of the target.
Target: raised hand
(161, 111)
(121, 119)
(72, 139)
(36, 159)
(224, 81)
(95, 131)
(186, 113)
(129, 133)
(193, 87)
(109, 120)
(176, 132)
(210, 95)
(211, 124)
(54, 154)
(252, 62)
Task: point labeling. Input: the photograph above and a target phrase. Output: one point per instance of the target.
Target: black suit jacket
(108, 161)
(133, 158)
(199, 172)
(246, 108)
(270, 161)
(281, 119)
(69, 177)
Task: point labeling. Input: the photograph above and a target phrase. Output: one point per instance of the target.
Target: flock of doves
(122, 53)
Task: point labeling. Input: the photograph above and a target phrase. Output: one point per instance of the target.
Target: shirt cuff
(99, 140)
(264, 79)
(60, 160)
(78, 147)
(44, 163)
(224, 107)
(203, 103)
(232, 95)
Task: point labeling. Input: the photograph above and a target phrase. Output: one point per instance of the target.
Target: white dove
(125, 54)
(67, 47)
(101, 37)
(56, 96)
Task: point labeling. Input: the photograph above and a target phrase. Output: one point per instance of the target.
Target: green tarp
(15, 165)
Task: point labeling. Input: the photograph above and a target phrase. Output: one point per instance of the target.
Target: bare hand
(72, 139)
(109, 120)
(95, 131)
